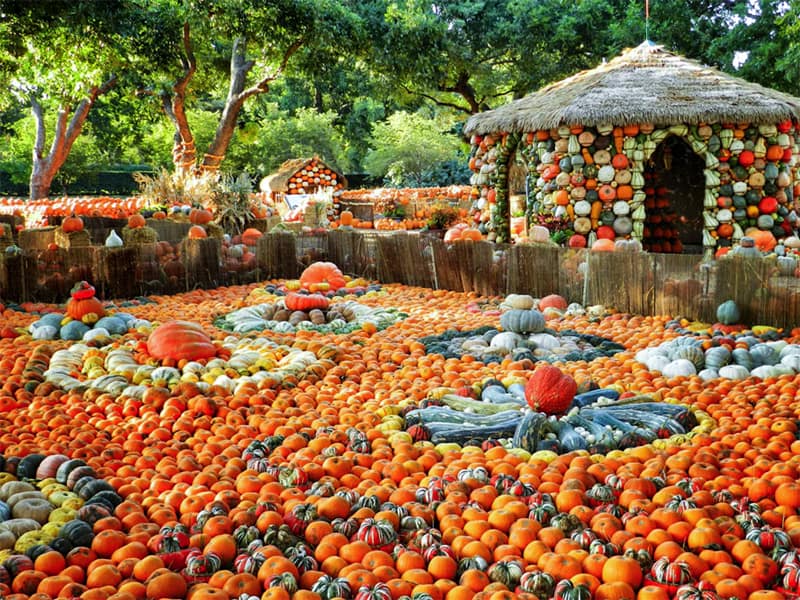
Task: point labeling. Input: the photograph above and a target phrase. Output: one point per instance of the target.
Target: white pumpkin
(657, 362)
(679, 368)
(113, 240)
(792, 361)
(95, 333)
(472, 344)
(505, 341)
(734, 372)
(789, 350)
(645, 354)
(708, 374)
(519, 301)
(575, 309)
(544, 341)
(44, 332)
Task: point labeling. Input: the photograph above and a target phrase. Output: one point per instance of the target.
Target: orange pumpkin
(180, 340)
(251, 236)
(322, 272)
(603, 245)
(136, 221)
(196, 232)
(200, 216)
(71, 224)
(346, 218)
(83, 302)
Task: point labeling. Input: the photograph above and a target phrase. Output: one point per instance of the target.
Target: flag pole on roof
(647, 20)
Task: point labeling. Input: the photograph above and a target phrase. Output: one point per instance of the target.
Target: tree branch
(41, 132)
(263, 85)
(436, 100)
(80, 114)
(188, 62)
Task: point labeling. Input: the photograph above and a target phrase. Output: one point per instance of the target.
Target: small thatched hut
(650, 146)
(302, 176)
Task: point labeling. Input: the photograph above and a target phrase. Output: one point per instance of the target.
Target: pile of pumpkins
(85, 318)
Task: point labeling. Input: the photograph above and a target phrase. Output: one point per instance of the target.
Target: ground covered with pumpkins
(331, 437)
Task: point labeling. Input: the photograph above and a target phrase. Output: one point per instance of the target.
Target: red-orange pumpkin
(136, 221)
(251, 236)
(603, 245)
(322, 272)
(553, 301)
(200, 216)
(180, 340)
(196, 232)
(549, 390)
(305, 302)
(71, 224)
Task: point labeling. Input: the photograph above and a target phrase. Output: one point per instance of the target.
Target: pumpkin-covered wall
(644, 182)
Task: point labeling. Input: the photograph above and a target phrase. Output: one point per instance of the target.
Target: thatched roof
(278, 181)
(646, 84)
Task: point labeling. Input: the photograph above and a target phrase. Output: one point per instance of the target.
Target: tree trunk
(237, 94)
(184, 153)
(45, 166)
(40, 182)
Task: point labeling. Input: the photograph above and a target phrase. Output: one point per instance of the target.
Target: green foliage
(15, 154)
(360, 62)
(156, 144)
(408, 148)
(282, 136)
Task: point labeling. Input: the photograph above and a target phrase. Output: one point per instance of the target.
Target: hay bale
(264, 225)
(138, 236)
(73, 239)
(214, 231)
(36, 239)
(169, 230)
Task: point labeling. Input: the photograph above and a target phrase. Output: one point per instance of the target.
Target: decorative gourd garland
(340, 317)
(547, 345)
(737, 356)
(128, 370)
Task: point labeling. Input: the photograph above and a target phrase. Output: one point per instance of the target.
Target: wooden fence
(640, 283)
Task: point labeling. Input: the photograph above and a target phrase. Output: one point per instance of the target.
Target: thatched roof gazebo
(651, 146)
(303, 176)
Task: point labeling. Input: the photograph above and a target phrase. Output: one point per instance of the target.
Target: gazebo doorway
(675, 187)
(518, 194)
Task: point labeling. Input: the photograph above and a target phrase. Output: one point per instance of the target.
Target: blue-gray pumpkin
(728, 313)
(522, 321)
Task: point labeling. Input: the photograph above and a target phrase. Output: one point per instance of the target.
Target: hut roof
(278, 181)
(646, 84)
